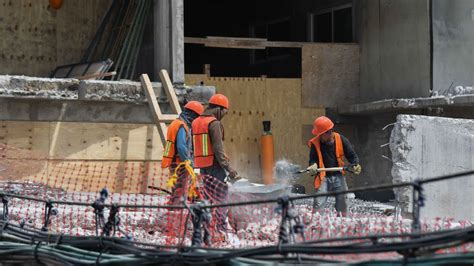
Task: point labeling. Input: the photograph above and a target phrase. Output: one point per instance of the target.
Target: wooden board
(330, 74)
(241, 43)
(82, 141)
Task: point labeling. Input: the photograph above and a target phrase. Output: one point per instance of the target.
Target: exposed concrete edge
(35, 109)
(405, 104)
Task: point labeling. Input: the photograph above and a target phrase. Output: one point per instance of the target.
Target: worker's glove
(355, 168)
(232, 177)
(313, 169)
(233, 174)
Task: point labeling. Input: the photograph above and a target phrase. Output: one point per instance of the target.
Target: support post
(168, 31)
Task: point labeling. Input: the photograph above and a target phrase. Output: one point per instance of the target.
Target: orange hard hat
(321, 125)
(195, 106)
(220, 100)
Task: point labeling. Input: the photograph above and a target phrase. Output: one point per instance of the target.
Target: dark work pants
(334, 184)
(338, 183)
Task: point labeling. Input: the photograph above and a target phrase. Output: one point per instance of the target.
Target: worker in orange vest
(209, 154)
(179, 147)
(329, 149)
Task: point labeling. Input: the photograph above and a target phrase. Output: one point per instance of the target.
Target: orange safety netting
(141, 191)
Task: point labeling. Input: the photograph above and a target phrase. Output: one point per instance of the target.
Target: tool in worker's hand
(331, 169)
(160, 189)
(231, 181)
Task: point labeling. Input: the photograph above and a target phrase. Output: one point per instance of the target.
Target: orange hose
(267, 158)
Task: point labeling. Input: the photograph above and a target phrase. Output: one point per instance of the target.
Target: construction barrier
(188, 210)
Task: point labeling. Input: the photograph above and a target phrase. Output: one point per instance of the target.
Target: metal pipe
(130, 7)
(98, 35)
(140, 40)
(113, 31)
(129, 40)
(126, 43)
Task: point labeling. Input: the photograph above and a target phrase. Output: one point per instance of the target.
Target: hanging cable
(48, 212)
(5, 201)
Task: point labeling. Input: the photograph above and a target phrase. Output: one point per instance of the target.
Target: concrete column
(168, 32)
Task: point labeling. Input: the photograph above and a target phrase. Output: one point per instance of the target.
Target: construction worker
(209, 154)
(328, 149)
(179, 147)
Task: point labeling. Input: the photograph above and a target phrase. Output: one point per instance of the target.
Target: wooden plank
(168, 118)
(241, 43)
(235, 46)
(169, 90)
(154, 107)
(236, 38)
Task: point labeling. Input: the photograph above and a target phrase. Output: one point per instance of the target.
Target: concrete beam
(169, 38)
(393, 105)
(35, 109)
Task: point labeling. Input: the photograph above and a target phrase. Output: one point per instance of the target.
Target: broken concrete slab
(53, 88)
(393, 105)
(425, 147)
(123, 90)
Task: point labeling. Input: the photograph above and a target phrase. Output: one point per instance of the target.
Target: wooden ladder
(160, 118)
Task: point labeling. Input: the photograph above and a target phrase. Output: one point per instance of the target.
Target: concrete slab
(391, 105)
(70, 100)
(426, 147)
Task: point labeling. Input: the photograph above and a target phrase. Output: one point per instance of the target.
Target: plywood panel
(82, 141)
(37, 38)
(330, 74)
(59, 155)
(27, 136)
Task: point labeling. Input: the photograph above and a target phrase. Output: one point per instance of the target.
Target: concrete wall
(453, 44)
(426, 147)
(395, 48)
(36, 38)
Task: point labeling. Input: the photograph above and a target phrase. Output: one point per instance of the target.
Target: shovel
(331, 169)
(230, 181)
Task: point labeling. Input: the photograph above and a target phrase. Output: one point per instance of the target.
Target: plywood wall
(37, 38)
(330, 74)
(253, 100)
(83, 156)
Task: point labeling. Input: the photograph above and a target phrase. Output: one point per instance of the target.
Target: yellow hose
(192, 191)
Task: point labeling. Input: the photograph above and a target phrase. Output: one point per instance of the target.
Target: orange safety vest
(318, 179)
(169, 154)
(203, 153)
